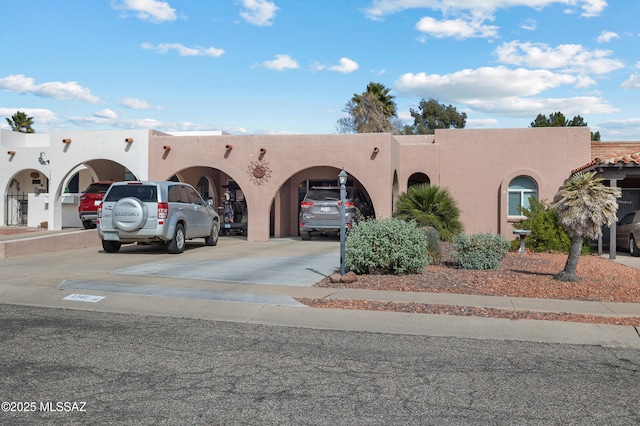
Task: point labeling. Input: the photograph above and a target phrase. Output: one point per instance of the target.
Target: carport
(622, 170)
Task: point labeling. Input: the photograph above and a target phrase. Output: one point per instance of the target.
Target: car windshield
(324, 194)
(145, 193)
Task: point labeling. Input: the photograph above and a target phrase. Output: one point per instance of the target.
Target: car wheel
(212, 239)
(87, 224)
(633, 248)
(111, 246)
(176, 245)
(305, 236)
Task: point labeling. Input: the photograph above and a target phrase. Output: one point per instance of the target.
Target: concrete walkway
(258, 283)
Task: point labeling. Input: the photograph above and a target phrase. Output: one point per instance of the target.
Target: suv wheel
(111, 246)
(305, 236)
(87, 224)
(176, 245)
(212, 238)
(633, 248)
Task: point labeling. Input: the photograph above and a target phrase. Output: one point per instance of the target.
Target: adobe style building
(488, 172)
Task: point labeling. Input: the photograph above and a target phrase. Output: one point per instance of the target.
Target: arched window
(521, 190)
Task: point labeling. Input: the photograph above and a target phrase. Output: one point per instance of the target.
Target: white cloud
(19, 83)
(148, 10)
(502, 91)
(566, 57)
(258, 12)
(607, 36)
(183, 50)
(380, 8)
(134, 103)
(457, 28)
(106, 113)
(481, 123)
(41, 117)
(626, 129)
(633, 82)
(529, 25)
(281, 62)
(346, 66)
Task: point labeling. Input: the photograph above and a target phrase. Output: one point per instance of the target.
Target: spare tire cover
(128, 214)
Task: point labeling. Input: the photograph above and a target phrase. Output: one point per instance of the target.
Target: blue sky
(290, 66)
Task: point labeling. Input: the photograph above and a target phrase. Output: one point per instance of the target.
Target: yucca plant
(430, 206)
(585, 205)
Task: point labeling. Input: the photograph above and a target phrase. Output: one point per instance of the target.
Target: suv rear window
(145, 193)
(325, 194)
(97, 188)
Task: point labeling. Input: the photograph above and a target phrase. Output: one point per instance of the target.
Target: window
(521, 190)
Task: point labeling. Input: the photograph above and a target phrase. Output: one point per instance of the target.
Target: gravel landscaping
(520, 275)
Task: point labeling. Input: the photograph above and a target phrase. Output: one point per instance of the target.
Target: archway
(285, 208)
(23, 187)
(418, 179)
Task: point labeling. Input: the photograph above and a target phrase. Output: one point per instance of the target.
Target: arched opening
(23, 187)
(286, 209)
(225, 194)
(418, 179)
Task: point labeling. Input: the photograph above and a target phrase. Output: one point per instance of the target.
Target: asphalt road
(134, 369)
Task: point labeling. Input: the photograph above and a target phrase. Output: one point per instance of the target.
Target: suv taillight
(347, 203)
(163, 210)
(100, 211)
(306, 204)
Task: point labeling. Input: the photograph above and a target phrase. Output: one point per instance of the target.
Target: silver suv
(146, 212)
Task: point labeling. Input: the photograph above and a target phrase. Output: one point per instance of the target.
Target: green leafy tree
(373, 111)
(20, 122)
(432, 115)
(430, 206)
(585, 205)
(557, 119)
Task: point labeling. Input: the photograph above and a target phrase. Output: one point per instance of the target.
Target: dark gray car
(628, 233)
(146, 212)
(320, 210)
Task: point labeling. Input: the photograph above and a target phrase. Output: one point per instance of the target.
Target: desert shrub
(479, 251)
(430, 205)
(433, 244)
(546, 233)
(387, 246)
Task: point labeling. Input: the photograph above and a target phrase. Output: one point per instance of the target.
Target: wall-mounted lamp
(11, 153)
(66, 140)
(167, 147)
(376, 150)
(228, 147)
(128, 140)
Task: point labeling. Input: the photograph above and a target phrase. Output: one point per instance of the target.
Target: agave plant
(585, 205)
(430, 206)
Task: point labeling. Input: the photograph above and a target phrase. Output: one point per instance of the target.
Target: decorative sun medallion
(259, 172)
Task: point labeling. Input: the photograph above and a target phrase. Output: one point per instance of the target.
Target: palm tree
(19, 122)
(585, 205)
(430, 205)
(381, 93)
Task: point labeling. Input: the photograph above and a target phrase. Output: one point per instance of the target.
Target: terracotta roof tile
(612, 153)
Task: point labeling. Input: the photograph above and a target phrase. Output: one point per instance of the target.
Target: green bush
(430, 205)
(479, 251)
(546, 232)
(387, 246)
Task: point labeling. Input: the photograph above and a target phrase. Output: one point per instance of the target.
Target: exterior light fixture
(67, 141)
(342, 180)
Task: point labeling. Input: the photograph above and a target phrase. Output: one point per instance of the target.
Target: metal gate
(17, 209)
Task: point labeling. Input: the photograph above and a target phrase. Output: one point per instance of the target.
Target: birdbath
(522, 233)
